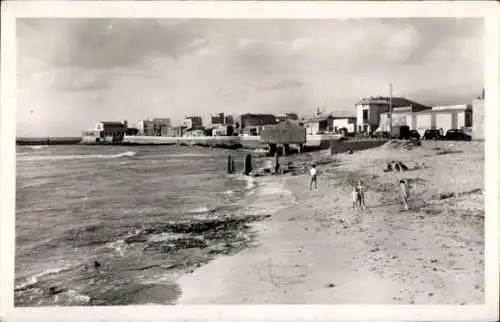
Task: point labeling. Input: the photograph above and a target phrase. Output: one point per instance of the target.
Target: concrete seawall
(215, 141)
(355, 145)
(250, 142)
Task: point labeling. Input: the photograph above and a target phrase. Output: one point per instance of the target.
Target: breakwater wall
(249, 142)
(343, 146)
(48, 141)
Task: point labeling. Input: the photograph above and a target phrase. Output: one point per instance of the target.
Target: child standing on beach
(361, 195)
(355, 198)
(314, 178)
(403, 189)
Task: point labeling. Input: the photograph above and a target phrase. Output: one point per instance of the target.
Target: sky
(73, 73)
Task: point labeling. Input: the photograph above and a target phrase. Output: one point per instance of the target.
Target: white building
(146, 127)
(442, 117)
(318, 124)
(478, 118)
(159, 124)
(348, 123)
(192, 122)
(206, 121)
(219, 130)
(193, 133)
(370, 109)
(399, 118)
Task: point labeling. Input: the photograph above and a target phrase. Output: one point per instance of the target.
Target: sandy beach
(320, 251)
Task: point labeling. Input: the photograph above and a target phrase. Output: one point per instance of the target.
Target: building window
(365, 115)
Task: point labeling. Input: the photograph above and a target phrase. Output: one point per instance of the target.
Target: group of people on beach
(358, 192)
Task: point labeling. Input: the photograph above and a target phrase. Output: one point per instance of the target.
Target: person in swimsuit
(361, 196)
(403, 189)
(314, 178)
(355, 198)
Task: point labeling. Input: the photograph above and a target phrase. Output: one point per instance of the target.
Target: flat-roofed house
(193, 132)
(105, 132)
(159, 124)
(253, 124)
(369, 110)
(344, 120)
(318, 124)
(222, 130)
(146, 127)
(192, 122)
(175, 131)
(286, 116)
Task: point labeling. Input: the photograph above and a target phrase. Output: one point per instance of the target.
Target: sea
(118, 225)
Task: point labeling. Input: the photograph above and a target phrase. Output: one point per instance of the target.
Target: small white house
(193, 133)
(220, 130)
(145, 127)
(345, 122)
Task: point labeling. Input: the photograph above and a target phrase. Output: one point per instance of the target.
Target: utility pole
(390, 109)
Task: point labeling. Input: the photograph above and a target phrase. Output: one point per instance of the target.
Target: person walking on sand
(361, 192)
(355, 198)
(403, 189)
(314, 178)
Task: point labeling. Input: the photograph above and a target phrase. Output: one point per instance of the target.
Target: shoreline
(293, 246)
(224, 142)
(321, 252)
(223, 235)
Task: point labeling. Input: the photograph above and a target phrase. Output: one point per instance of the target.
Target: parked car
(457, 135)
(432, 135)
(414, 135)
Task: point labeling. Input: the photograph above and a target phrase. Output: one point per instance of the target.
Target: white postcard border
(248, 10)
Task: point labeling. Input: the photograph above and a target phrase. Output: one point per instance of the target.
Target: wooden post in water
(276, 162)
(229, 164)
(248, 164)
(286, 149)
(272, 149)
(232, 165)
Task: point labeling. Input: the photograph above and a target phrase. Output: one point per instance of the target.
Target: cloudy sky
(74, 72)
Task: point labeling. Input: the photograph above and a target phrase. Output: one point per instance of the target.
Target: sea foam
(129, 154)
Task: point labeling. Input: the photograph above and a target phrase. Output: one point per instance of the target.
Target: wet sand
(319, 251)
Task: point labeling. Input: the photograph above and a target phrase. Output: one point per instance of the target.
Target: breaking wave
(38, 147)
(129, 154)
(33, 279)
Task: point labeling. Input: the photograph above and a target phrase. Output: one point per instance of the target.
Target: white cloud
(212, 66)
(400, 44)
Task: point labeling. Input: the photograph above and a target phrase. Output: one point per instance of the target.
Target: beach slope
(319, 251)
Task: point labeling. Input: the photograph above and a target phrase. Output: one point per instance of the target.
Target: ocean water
(111, 225)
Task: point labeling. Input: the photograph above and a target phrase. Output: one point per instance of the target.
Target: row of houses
(373, 115)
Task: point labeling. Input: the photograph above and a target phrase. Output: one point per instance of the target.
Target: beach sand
(319, 251)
